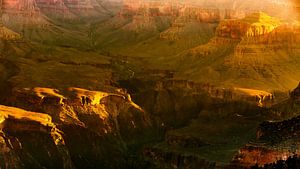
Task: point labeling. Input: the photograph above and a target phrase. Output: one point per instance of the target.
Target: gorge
(148, 84)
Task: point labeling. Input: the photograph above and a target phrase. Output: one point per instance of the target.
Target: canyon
(148, 84)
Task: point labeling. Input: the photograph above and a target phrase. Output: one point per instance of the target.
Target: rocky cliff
(66, 122)
(31, 139)
(100, 111)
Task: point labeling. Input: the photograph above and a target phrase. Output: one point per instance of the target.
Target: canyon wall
(31, 139)
(75, 128)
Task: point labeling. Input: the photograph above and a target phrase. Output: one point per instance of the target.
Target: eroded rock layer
(104, 120)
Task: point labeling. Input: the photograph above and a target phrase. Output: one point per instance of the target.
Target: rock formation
(68, 119)
(31, 139)
(81, 107)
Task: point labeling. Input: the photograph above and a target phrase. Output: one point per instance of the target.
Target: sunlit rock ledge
(18, 120)
(101, 112)
(12, 113)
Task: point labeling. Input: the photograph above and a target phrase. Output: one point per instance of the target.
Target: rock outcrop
(31, 139)
(27, 121)
(99, 111)
(86, 128)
